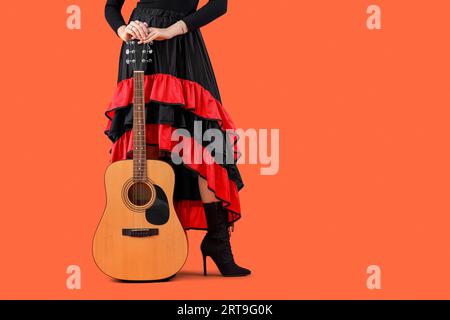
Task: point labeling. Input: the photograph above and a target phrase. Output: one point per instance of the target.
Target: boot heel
(204, 265)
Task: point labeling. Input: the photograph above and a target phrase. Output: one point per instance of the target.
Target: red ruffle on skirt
(170, 90)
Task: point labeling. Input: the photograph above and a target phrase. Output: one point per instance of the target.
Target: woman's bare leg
(206, 195)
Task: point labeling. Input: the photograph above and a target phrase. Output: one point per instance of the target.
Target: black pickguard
(158, 213)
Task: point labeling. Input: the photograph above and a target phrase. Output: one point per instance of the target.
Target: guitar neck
(139, 141)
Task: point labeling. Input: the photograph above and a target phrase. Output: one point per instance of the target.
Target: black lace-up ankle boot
(216, 243)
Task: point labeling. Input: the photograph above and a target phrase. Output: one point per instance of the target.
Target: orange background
(364, 168)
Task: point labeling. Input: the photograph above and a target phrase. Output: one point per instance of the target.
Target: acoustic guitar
(139, 237)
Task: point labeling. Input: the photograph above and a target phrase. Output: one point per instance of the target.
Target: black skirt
(180, 89)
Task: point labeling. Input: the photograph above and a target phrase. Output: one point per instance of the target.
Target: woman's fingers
(133, 28)
(151, 36)
(138, 28)
(144, 27)
(150, 33)
(155, 34)
(129, 30)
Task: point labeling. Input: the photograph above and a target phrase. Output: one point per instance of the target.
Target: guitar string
(140, 185)
(138, 114)
(140, 138)
(135, 89)
(134, 136)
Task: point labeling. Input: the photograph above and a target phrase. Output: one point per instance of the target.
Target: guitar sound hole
(139, 193)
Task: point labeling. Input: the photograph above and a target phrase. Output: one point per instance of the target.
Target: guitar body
(140, 237)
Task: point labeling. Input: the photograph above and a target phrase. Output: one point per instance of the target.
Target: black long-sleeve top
(195, 19)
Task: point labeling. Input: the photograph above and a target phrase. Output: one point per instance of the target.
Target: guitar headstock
(138, 55)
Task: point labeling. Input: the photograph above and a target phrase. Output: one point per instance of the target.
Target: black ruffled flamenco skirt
(180, 88)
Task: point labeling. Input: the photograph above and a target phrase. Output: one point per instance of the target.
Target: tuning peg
(127, 61)
(127, 51)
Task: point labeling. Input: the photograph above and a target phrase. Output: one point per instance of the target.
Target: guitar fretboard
(139, 144)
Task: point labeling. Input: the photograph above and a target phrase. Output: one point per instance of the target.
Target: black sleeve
(210, 11)
(113, 13)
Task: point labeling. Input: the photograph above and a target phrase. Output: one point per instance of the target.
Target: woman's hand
(134, 30)
(159, 34)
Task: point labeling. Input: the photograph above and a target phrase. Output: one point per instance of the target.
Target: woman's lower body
(181, 93)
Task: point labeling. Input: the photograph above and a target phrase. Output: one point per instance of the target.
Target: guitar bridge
(140, 233)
